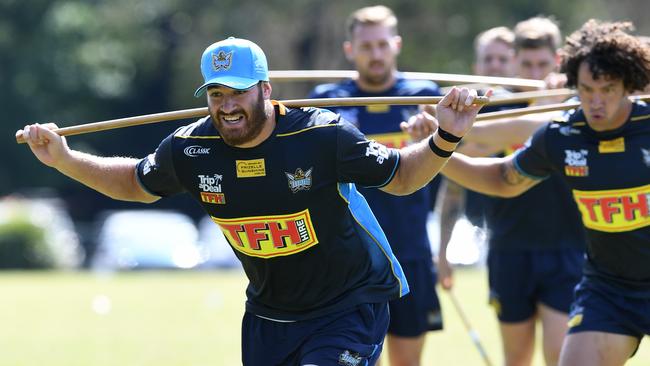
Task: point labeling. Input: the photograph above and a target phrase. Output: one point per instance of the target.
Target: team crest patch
(300, 180)
(576, 163)
(221, 60)
(646, 156)
(350, 359)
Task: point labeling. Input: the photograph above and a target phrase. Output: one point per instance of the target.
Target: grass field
(181, 318)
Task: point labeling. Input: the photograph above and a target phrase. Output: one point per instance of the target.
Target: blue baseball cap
(234, 62)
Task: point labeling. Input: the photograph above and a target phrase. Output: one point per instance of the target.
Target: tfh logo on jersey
(270, 236)
(299, 180)
(221, 61)
(614, 210)
(210, 186)
(196, 150)
(378, 150)
(576, 163)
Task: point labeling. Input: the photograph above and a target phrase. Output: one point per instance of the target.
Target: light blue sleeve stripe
(366, 219)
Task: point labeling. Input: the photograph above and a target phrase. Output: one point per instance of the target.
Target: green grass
(181, 318)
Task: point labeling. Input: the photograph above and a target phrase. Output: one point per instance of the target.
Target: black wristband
(447, 136)
(437, 150)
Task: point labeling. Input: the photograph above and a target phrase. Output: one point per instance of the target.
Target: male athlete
(281, 184)
(603, 152)
(373, 45)
(536, 241)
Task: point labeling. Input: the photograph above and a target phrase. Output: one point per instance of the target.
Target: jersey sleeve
(532, 160)
(362, 161)
(156, 172)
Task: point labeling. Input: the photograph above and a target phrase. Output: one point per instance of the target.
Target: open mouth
(232, 119)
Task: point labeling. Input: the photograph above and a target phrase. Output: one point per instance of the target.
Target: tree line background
(80, 61)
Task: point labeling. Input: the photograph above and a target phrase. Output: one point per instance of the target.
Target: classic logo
(576, 163)
(612, 146)
(196, 150)
(221, 61)
(380, 151)
(250, 168)
(646, 156)
(299, 180)
(569, 130)
(614, 210)
(395, 139)
(270, 236)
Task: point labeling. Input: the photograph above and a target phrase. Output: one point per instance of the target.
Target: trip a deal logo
(614, 210)
(270, 236)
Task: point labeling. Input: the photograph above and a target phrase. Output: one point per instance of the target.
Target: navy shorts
(419, 311)
(602, 308)
(353, 337)
(519, 280)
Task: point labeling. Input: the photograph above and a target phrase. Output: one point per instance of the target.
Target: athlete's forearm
(449, 205)
(492, 176)
(503, 133)
(113, 176)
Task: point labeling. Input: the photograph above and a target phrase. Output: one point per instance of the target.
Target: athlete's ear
(348, 51)
(266, 89)
(398, 44)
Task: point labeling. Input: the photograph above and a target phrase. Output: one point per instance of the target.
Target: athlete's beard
(254, 123)
(375, 79)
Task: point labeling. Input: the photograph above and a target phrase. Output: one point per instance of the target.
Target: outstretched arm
(449, 205)
(503, 133)
(114, 176)
(493, 176)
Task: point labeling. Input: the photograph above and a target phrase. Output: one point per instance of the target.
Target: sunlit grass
(180, 318)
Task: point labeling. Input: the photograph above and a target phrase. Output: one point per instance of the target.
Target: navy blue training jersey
(290, 210)
(402, 218)
(544, 217)
(609, 176)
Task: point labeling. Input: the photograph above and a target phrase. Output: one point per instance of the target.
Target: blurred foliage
(37, 234)
(80, 61)
(23, 246)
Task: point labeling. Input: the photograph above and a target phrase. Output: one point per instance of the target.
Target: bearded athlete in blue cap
(281, 185)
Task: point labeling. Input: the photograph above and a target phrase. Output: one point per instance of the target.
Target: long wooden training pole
(510, 113)
(319, 75)
(202, 112)
(530, 96)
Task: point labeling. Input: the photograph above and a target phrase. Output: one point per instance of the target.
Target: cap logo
(221, 61)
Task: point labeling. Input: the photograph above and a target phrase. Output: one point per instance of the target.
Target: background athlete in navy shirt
(373, 45)
(280, 184)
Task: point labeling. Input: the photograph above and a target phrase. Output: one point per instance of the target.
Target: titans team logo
(299, 180)
(221, 61)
